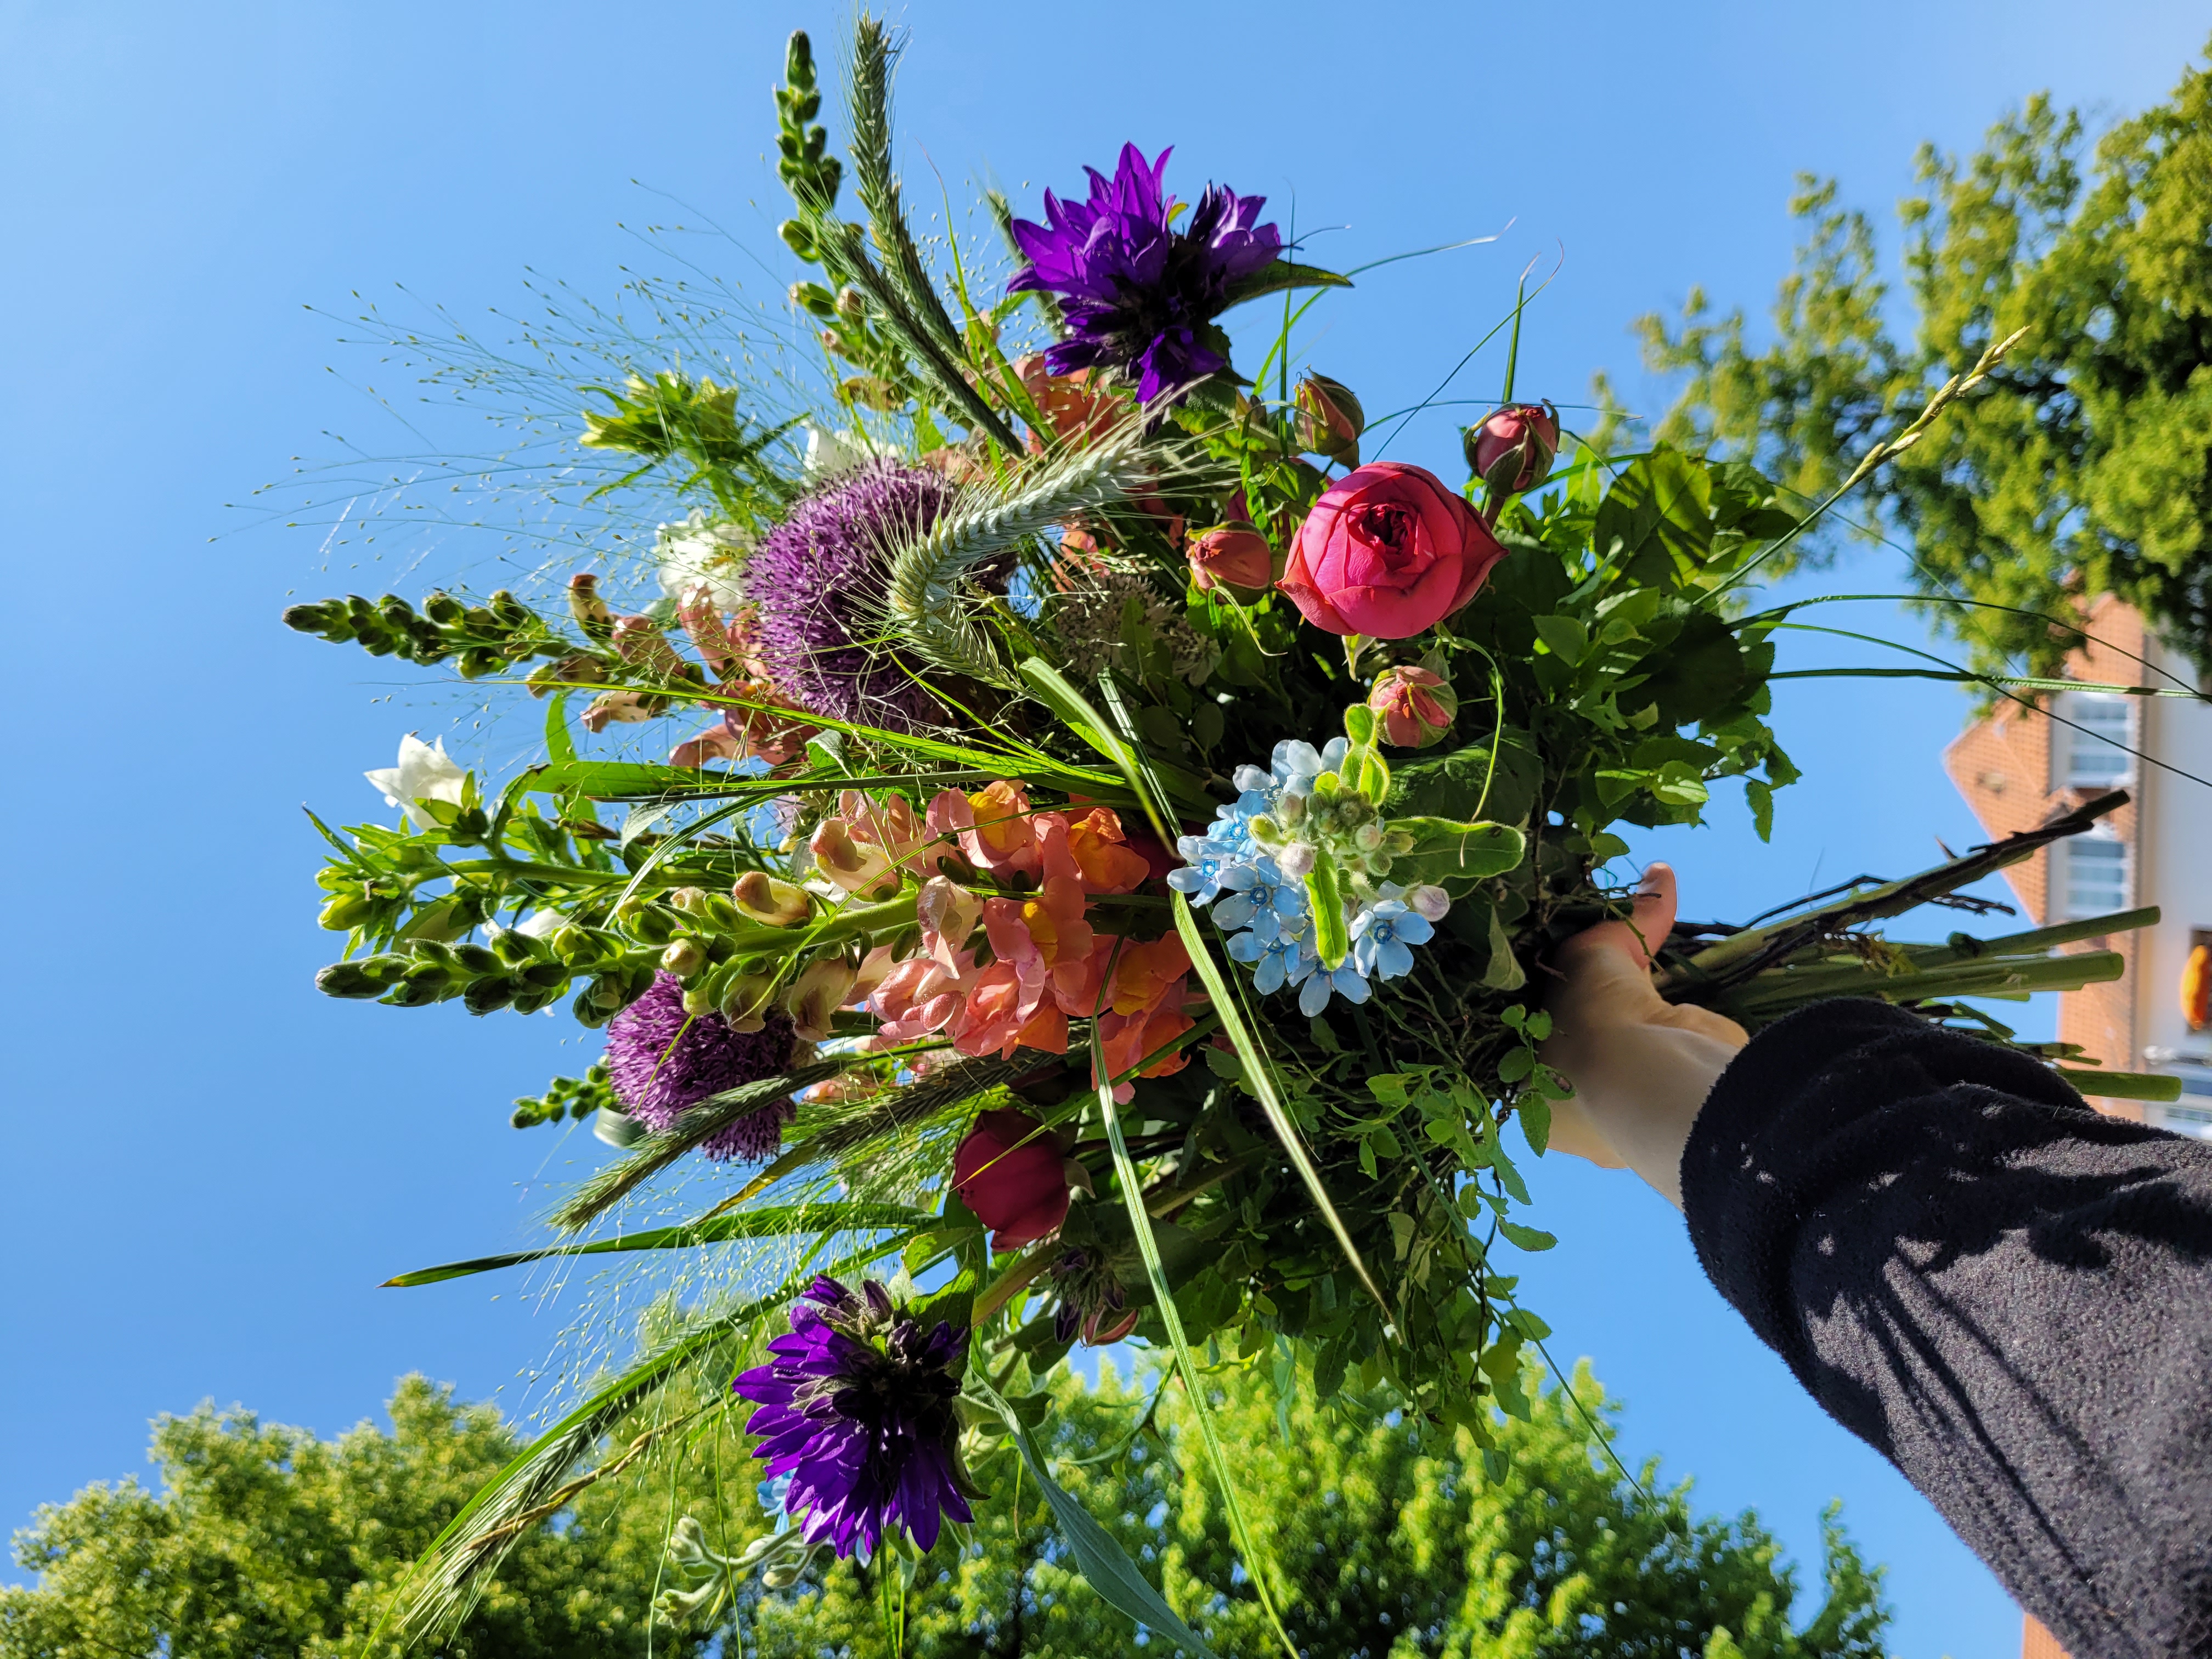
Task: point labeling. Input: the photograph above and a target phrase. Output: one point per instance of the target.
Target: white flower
(695, 554)
(540, 924)
(424, 773)
(828, 453)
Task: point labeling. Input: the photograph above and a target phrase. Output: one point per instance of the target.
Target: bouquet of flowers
(1101, 877)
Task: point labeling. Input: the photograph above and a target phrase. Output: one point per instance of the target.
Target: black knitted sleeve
(2006, 1293)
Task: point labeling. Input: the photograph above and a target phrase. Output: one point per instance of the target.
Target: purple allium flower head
(816, 583)
(662, 1060)
(1137, 295)
(856, 1407)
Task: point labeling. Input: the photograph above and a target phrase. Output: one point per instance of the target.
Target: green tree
(2084, 465)
(1387, 1541)
(266, 1541)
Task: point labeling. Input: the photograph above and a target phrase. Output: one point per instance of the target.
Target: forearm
(2007, 1294)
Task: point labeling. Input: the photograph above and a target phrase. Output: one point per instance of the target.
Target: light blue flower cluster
(1256, 884)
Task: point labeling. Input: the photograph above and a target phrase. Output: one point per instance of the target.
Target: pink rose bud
(1413, 706)
(1009, 1171)
(1329, 419)
(1234, 557)
(1388, 550)
(761, 897)
(1512, 450)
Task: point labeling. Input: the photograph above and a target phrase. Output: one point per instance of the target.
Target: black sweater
(2005, 1293)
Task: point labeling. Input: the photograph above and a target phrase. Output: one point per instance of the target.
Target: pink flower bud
(1009, 1171)
(1329, 419)
(1236, 557)
(856, 867)
(815, 997)
(1430, 902)
(1413, 706)
(761, 897)
(1511, 451)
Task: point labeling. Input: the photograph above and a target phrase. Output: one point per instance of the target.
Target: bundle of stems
(1755, 975)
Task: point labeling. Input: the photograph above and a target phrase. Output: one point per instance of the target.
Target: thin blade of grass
(776, 1222)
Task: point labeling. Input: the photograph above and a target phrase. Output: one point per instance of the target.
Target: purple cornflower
(857, 1409)
(816, 583)
(662, 1060)
(1136, 295)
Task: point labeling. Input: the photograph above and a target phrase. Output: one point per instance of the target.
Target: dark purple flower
(662, 1060)
(816, 583)
(857, 1409)
(1137, 295)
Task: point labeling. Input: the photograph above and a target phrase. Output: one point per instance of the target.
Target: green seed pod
(546, 976)
(1332, 942)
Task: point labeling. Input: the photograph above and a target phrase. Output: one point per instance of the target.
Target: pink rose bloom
(1388, 550)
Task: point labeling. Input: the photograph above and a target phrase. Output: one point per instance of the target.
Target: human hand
(1641, 1067)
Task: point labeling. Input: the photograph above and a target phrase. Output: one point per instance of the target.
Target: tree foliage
(266, 1541)
(2084, 465)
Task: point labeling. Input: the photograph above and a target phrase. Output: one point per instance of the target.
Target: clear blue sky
(207, 1166)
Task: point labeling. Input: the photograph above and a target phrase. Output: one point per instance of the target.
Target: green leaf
(781, 1221)
(1534, 1111)
(1567, 639)
(1281, 275)
(559, 742)
(1106, 1567)
(1529, 1238)
(1140, 1224)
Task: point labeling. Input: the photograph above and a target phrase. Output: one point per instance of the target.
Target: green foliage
(2084, 465)
(264, 1541)
(672, 417)
(1386, 1544)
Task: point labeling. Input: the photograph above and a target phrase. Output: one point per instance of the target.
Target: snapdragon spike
(856, 1411)
(1140, 296)
(663, 1060)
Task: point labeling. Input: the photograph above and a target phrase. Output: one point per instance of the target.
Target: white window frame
(2112, 727)
(2062, 907)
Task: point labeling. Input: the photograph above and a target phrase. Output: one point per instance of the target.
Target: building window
(2090, 875)
(2091, 752)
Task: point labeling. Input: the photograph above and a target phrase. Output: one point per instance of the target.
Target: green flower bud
(444, 608)
(683, 957)
(351, 979)
(347, 911)
(486, 996)
(1290, 810)
(1265, 829)
(476, 960)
